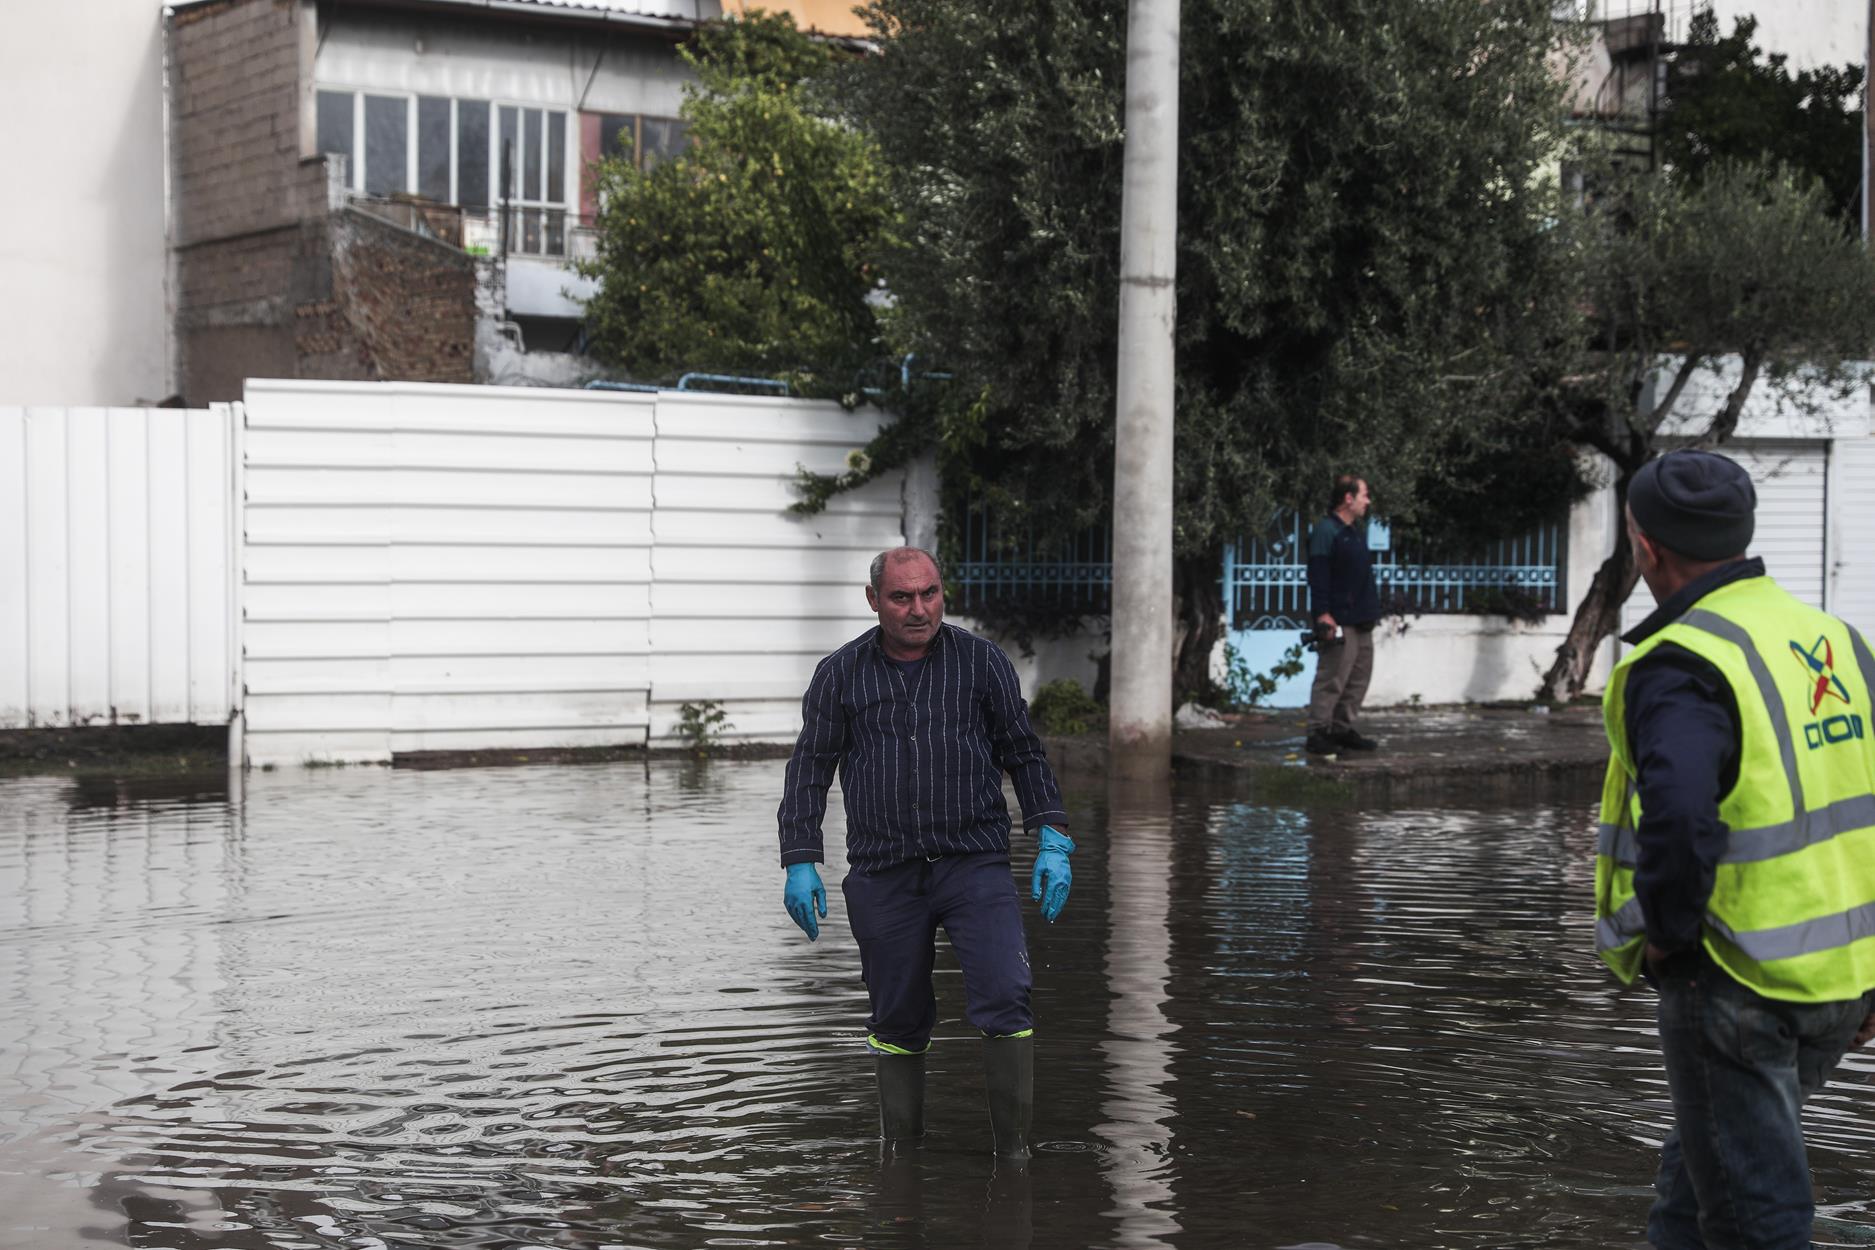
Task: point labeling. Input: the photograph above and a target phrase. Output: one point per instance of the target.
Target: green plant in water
(701, 724)
(1062, 707)
(1244, 688)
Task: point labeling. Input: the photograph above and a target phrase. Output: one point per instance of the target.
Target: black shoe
(1321, 742)
(1354, 740)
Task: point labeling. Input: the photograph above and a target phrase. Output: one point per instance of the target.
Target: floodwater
(563, 1007)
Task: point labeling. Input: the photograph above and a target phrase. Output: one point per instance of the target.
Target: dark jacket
(1683, 728)
(920, 761)
(1341, 573)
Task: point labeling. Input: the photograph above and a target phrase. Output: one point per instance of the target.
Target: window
(661, 138)
(472, 154)
(387, 144)
(335, 123)
(433, 149)
(644, 141)
(508, 159)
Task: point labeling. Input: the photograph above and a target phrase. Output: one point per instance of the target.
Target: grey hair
(878, 563)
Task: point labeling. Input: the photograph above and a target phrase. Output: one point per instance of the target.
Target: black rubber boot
(1009, 1071)
(901, 1101)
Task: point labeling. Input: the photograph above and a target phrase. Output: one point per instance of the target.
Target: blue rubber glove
(1051, 863)
(803, 894)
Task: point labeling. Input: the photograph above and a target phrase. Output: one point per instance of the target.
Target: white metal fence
(471, 568)
(115, 566)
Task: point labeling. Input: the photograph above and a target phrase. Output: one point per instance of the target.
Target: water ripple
(562, 1007)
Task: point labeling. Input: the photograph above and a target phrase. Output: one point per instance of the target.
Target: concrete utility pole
(1139, 734)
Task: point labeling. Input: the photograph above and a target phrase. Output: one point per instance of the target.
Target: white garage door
(1852, 533)
(1790, 480)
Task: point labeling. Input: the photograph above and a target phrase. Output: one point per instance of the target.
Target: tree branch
(1726, 423)
(1689, 365)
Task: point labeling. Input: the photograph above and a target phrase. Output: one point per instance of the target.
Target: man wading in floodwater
(1737, 858)
(922, 719)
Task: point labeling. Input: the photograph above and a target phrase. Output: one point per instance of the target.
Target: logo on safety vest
(1820, 662)
(1819, 665)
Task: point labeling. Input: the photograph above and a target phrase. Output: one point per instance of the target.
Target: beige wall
(82, 257)
(829, 17)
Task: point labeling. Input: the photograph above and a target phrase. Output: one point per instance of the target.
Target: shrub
(1062, 707)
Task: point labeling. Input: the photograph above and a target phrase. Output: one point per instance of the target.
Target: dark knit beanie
(1696, 503)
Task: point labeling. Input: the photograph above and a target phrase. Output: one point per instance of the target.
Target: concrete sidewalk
(1424, 752)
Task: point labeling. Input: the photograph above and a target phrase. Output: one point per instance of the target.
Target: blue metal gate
(1266, 589)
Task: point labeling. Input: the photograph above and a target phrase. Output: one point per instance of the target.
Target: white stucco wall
(82, 258)
(1810, 32)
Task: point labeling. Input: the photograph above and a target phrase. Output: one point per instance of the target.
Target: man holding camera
(1345, 604)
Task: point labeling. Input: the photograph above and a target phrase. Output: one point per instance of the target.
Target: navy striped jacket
(920, 761)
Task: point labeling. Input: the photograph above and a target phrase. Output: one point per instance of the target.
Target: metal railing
(997, 562)
(1266, 577)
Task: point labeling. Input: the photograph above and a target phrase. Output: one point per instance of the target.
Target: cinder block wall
(270, 281)
(238, 190)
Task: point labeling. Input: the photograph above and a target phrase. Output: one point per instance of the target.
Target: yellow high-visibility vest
(1792, 912)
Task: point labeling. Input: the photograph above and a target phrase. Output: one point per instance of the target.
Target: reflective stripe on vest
(1763, 924)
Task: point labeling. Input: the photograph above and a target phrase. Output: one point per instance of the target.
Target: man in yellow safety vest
(1736, 862)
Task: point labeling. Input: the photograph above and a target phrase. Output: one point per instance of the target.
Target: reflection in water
(1139, 1056)
(562, 1007)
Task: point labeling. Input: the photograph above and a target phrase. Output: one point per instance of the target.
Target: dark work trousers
(1342, 671)
(1733, 1172)
(895, 914)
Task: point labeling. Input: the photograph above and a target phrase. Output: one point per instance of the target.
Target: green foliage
(1674, 276)
(1245, 689)
(1744, 276)
(1727, 102)
(702, 724)
(756, 250)
(1362, 255)
(1062, 707)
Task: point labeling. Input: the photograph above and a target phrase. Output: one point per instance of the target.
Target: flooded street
(563, 1007)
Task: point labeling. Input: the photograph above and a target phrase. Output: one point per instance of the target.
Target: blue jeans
(1733, 1173)
(895, 914)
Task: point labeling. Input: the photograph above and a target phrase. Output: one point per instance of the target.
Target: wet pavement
(562, 1007)
(1488, 751)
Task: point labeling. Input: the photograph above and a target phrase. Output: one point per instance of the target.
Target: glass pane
(555, 243)
(472, 153)
(618, 135)
(530, 230)
(530, 156)
(665, 137)
(433, 148)
(335, 123)
(556, 158)
(510, 145)
(387, 144)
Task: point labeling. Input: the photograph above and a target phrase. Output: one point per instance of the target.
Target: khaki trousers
(1342, 671)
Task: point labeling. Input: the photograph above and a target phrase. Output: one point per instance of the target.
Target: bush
(1062, 707)
(1245, 689)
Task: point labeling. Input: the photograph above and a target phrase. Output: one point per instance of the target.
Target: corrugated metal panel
(747, 596)
(444, 568)
(115, 533)
(1852, 532)
(1790, 529)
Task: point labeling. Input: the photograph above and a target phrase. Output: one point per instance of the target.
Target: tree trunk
(1597, 616)
(1198, 592)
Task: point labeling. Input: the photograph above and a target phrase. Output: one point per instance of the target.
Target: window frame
(500, 204)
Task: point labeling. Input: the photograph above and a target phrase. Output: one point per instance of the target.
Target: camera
(1320, 635)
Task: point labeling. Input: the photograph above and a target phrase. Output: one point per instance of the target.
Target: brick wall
(402, 306)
